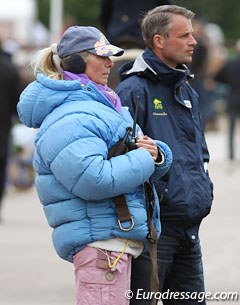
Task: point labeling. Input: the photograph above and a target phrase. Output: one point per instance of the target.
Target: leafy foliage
(226, 13)
(81, 12)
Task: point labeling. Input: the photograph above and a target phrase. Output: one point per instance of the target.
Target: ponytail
(47, 61)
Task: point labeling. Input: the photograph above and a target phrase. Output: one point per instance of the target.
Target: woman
(79, 120)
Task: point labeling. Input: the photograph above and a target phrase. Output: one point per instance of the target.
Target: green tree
(226, 13)
(82, 12)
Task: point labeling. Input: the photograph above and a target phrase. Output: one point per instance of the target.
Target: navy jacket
(228, 74)
(168, 110)
(10, 86)
(121, 19)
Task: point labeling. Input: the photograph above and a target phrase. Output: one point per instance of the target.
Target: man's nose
(193, 40)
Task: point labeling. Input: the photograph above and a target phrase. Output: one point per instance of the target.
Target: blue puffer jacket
(75, 181)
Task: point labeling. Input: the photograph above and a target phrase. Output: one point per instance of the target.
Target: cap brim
(107, 50)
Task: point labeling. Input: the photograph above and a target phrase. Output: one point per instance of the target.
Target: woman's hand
(144, 142)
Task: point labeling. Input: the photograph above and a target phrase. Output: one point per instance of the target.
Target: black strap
(122, 210)
(152, 238)
(118, 149)
(121, 206)
(150, 201)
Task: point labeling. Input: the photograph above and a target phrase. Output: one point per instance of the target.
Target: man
(228, 75)
(168, 110)
(121, 20)
(9, 93)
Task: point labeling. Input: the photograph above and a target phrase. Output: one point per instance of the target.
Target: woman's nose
(109, 62)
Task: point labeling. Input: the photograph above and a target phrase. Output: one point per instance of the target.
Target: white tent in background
(16, 19)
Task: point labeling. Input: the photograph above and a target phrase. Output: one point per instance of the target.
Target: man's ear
(158, 41)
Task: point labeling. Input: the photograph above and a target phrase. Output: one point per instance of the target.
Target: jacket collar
(150, 66)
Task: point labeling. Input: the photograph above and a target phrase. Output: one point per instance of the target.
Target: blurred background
(30, 271)
(27, 25)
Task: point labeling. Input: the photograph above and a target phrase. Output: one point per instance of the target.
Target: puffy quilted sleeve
(77, 152)
(82, 168)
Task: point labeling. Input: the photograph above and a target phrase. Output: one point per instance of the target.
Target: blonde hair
(47, 61)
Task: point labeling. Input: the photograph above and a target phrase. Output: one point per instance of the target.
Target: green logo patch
(158, 109)
(157, 105)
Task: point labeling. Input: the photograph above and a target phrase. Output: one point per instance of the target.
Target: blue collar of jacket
(148, 65)
(44, 95)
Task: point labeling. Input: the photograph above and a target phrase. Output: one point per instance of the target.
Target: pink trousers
(96, 284)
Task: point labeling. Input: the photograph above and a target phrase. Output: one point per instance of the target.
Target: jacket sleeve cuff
(160, 158)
